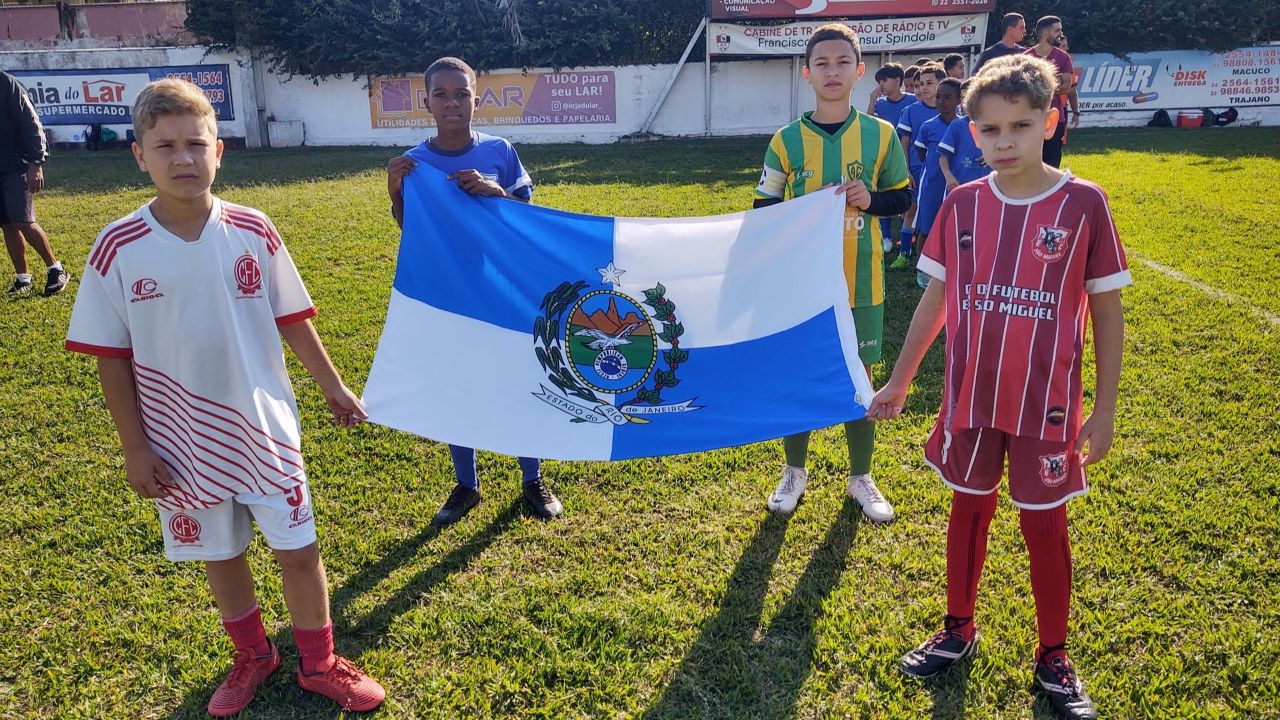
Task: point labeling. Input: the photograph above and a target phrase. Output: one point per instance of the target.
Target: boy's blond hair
(171, 96)
(1013, 77)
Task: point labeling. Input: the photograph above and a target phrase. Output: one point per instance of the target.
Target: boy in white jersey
(1018, 260)
(183, 302)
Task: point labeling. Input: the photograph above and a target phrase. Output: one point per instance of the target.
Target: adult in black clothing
(1015, 28)
(22, 156)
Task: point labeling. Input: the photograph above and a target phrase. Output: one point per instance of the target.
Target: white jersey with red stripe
(1018, 274)
(200, 322)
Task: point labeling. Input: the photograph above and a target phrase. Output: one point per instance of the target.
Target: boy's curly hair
(1013, 77)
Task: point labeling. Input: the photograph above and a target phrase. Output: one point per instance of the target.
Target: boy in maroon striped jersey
(183, 303)
(1018, 260)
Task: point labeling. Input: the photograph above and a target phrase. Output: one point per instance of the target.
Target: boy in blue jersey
(909, 124)
(932, 183)
(959, 157)
(482, 165)
(887, 103)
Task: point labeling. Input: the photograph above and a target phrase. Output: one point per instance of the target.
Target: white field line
(1212, 291)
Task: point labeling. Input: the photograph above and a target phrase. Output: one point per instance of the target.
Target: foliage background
(319, 38)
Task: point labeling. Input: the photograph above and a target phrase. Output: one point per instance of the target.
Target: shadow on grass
(353, 637)
(736, 669)
(949, 691)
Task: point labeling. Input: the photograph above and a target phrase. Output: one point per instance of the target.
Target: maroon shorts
(1042, 473)
(15, 201)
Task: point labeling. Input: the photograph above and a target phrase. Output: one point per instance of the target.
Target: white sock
(24, 277)
(57, 265)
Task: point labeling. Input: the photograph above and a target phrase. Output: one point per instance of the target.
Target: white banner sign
(876, 36)
(1179, 79)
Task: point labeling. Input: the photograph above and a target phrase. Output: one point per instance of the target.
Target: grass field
(667, 591)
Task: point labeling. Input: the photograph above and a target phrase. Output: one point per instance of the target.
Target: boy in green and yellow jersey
(837, 145)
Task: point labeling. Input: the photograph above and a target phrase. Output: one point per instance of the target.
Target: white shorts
(225, 530)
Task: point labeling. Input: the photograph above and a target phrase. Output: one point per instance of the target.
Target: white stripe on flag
(479, 380)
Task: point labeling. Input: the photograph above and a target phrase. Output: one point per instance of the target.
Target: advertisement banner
(875, 36)
(1179, 79)
(764, 9)
(105, 97)
(506, 98)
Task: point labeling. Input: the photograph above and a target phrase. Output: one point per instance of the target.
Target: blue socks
(464, 467)
(905, 245)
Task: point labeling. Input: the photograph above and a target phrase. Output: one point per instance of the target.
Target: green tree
(321, 38)
(1127, 26)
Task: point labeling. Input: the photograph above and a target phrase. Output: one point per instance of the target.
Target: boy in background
(887, 103)
(184, 302)
(482, 165)
(837, 145)
(932, 184)
(913, 118)
(959, 157)
(1017, 262)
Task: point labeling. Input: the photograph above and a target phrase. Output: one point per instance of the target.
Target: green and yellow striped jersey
(803, 158)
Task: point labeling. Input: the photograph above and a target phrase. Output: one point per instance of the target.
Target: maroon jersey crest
(1050, 243)
(1053, 469)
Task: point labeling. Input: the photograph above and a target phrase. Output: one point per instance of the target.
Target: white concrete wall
(751, 97)
(136, 57)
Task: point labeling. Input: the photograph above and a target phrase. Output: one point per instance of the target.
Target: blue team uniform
(890, 111)
(962, 152)
(493, 157)
(913, 118)
(932, 184)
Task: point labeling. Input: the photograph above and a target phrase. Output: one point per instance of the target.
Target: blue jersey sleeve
(516, 180)
(951, 138)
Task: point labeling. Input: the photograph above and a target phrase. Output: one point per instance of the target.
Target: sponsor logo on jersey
(248, 274)
(966, 239)
(145, 289)
(1050, 243)
(1053, 469)
(185, 529)
(1056, 415)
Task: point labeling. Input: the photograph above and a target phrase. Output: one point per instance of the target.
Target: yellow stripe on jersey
(802, 158)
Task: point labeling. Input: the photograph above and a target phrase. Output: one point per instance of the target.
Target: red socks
(1045, 532)
(247, 632)
(316, 648)
(966, 551)
(1049, 548)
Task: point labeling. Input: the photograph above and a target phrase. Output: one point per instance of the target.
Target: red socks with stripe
(1045, 532)
(1049, 548)
(316, 648)
(966, 551)
(247, 632)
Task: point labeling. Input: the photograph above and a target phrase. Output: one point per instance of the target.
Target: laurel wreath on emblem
(551, 355)
(664, 311)
(547, 346)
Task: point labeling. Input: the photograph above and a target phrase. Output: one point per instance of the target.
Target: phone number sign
(106, 96)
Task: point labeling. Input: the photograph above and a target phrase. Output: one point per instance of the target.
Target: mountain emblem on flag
(601, 346)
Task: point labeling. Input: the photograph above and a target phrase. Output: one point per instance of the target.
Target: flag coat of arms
(530, 331)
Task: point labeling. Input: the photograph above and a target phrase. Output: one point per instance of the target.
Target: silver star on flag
(611, 275)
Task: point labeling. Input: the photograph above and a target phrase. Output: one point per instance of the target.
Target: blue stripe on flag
(491, 259)
(746, 392)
